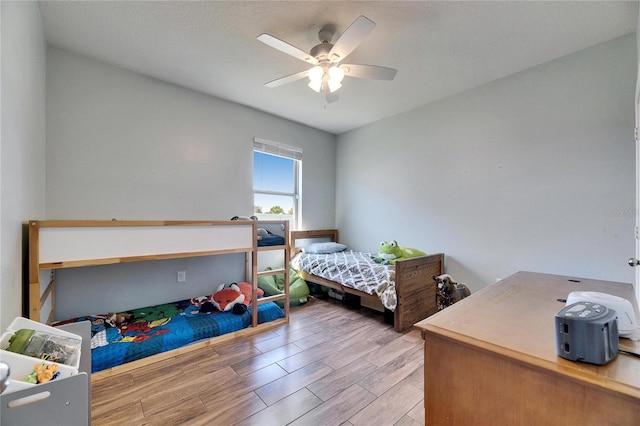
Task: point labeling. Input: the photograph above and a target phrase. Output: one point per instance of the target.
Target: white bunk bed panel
(68, 244)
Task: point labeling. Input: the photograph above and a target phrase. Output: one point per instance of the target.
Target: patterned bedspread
(155, 329)
(352, 269)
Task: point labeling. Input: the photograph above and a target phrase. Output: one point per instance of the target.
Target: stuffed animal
(235, 298)
(449, 291)
(390, 252)
(200, 300)
(119, 319)
(200, 304)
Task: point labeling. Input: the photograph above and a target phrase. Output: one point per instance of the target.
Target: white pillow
(324, 248)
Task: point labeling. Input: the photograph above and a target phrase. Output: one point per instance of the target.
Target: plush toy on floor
(235, 298)
(390, 252)
(449, 291)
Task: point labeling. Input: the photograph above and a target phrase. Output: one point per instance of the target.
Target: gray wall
(535, 171)
(22, 150)
(123, 145)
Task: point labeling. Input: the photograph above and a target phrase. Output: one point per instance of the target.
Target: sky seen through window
(273, 173)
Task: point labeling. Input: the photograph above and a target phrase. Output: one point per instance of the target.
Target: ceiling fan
(327, 72)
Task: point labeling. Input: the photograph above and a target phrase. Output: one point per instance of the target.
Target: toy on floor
(274, 285)
(449, 291)
(390, 251)
(235, 298)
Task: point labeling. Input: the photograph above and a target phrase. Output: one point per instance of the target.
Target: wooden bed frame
(58, 244)
(415, 286)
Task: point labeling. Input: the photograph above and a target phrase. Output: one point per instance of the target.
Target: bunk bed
(415, 288)
(72, 244)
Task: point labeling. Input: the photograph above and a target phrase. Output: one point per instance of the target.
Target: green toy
(20, 340)
(274, 284)
(390, 252)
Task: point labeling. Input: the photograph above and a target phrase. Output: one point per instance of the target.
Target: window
(276, 181)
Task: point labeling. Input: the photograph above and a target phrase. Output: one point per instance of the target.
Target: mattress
(270, 240)
(352, 269)
(143, 332)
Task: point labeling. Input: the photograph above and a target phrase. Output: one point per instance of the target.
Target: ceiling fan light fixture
(335, 78)
(327, 74)
(316, 73)
(315, 78)
(336, 74)
(315, 85)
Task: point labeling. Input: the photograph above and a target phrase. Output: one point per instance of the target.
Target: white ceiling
(439, 48)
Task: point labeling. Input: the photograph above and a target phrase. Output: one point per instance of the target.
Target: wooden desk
(491, 360)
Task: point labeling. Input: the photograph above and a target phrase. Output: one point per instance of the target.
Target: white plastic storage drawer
(64, 347)
(21, 366)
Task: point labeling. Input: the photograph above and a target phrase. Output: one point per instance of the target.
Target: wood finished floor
(331, 365)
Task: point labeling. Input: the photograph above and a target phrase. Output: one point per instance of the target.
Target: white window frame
(287, 151)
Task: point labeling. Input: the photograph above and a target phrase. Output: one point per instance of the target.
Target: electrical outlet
(182, 276)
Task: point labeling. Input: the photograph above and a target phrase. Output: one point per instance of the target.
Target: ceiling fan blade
(369, 71)
(288, 79)
(351, 38)
(285, 47)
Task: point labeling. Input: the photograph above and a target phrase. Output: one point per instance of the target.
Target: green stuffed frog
(390, 252)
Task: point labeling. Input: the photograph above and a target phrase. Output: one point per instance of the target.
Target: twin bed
(157, 332)
(158, 329)
(406, 289)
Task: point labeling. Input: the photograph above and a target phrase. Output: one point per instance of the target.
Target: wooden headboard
(323, 234)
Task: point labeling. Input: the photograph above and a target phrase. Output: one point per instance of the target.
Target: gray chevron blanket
(352, 269)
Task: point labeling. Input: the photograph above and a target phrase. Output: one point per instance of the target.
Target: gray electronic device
(587, 332)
